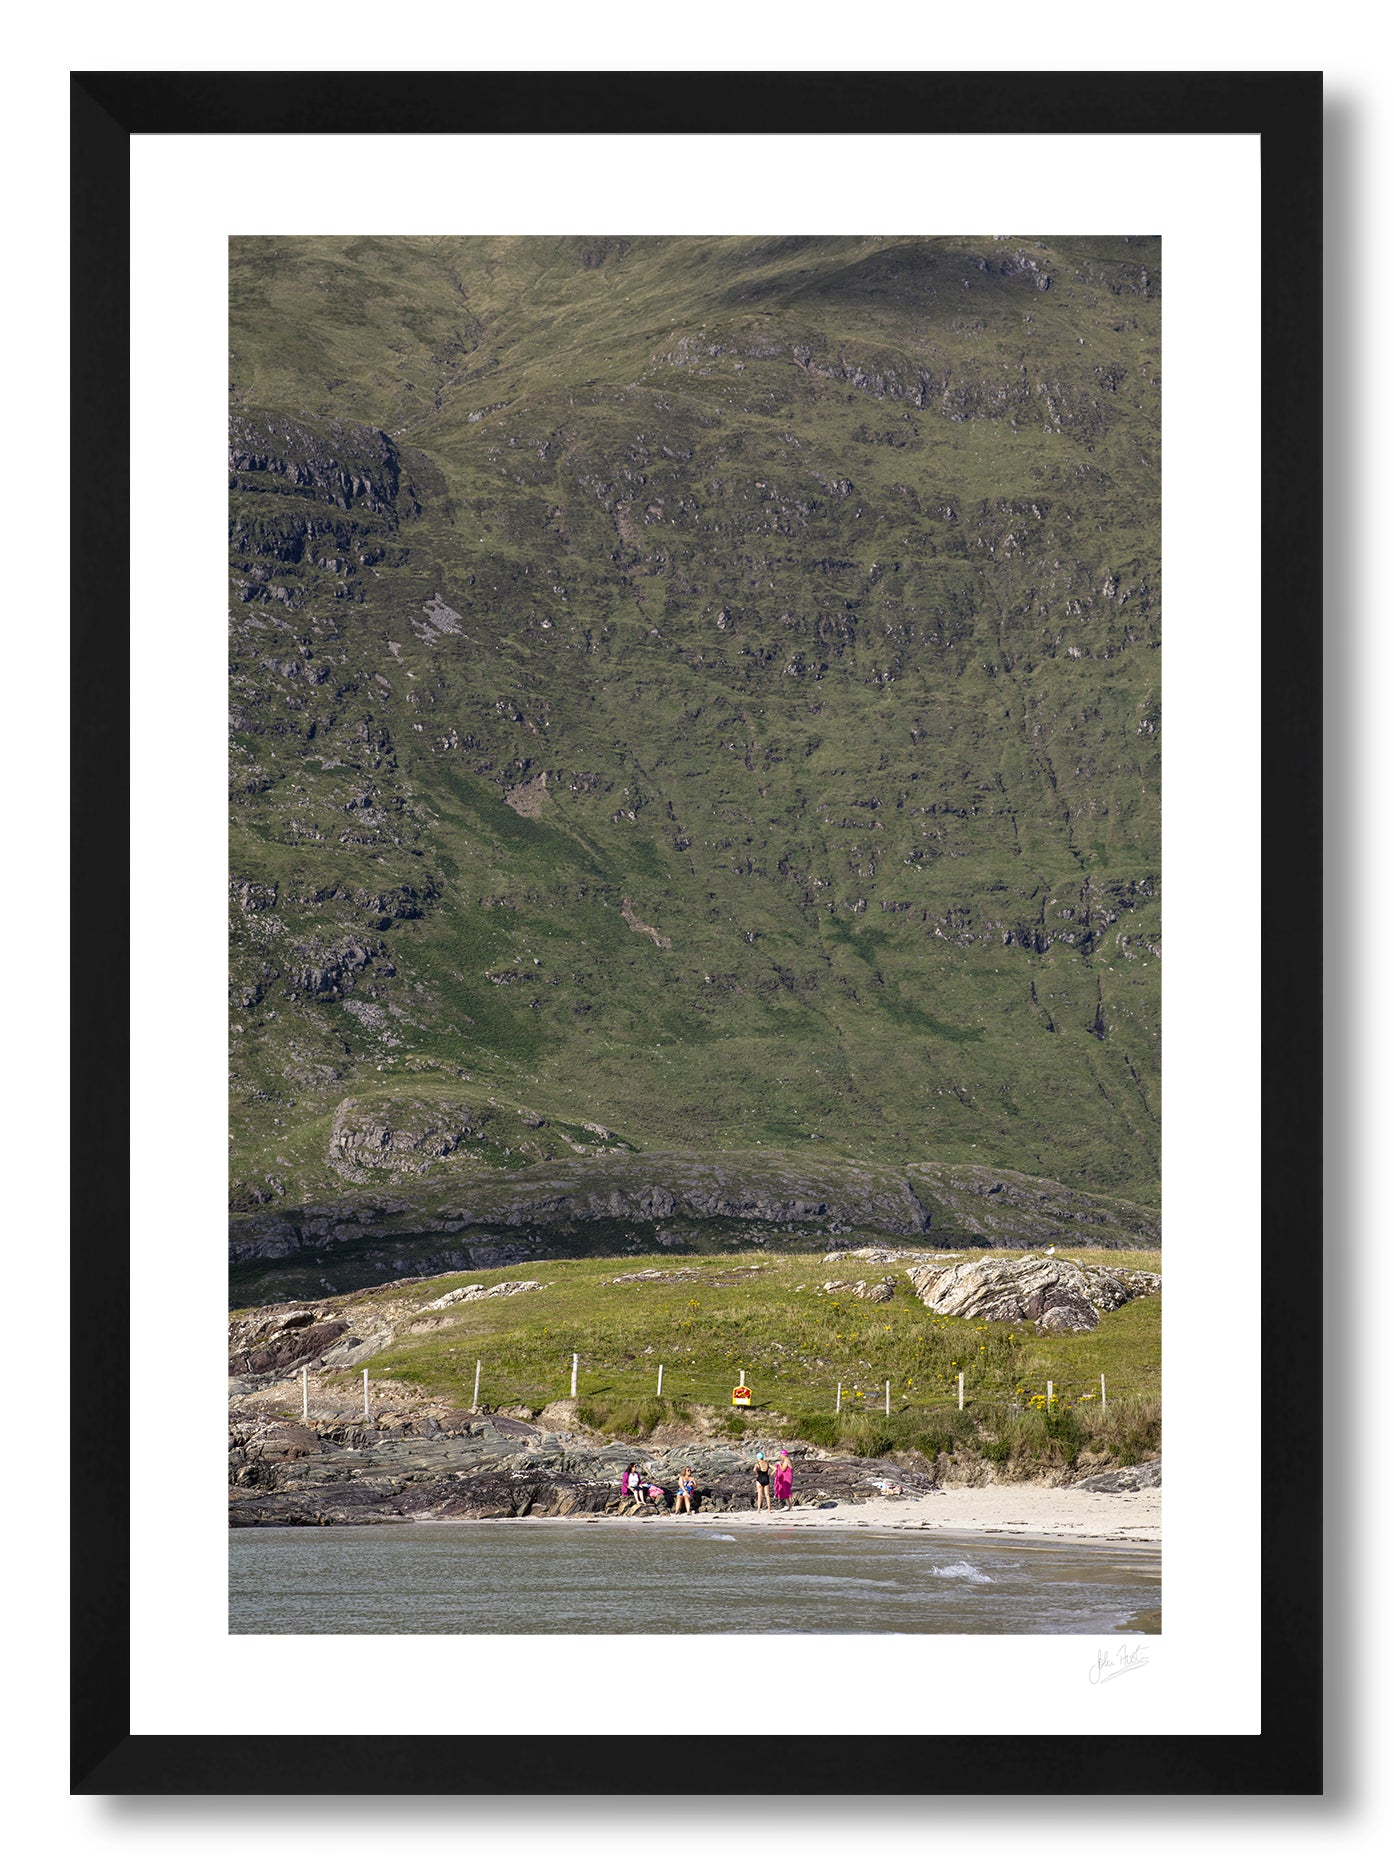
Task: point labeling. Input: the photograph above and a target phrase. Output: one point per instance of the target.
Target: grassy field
(717, 1318)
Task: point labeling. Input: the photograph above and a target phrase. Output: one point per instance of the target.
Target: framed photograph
(691, 1138)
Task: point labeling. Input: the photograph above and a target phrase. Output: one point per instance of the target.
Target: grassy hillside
(705, 689)
(708, 1320)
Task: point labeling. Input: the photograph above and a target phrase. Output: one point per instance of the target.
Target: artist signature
(1111, 1663)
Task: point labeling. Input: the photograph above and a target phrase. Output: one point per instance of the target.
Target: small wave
(962, 1570)
(719, 1537)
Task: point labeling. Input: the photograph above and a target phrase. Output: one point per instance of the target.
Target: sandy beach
(1020, 1510)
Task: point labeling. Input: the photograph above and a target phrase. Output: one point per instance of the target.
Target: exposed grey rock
(440, 619)
(1058, 1295)
(336, 1474)
(476, 1292)
(341, 463)
(667, 1199)
(882, 1291)
(278, 1340)
(407, 1136)
(1067, 1317)
(874, 1253)
(1005, 1209)
(1124, 1481)
(404, 1134)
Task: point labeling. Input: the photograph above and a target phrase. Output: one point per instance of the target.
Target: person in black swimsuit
(762, 1482)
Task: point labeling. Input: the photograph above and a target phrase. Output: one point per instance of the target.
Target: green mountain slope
(706, 689)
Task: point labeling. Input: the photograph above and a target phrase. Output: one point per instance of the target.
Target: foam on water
(962, 1570)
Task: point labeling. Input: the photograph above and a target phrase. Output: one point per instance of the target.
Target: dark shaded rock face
(336, 462)
(616, 1203)
(567, 1195)
(612, 1204)
(289, 1349)
(1065, 1315)
(1007, 1210)
(271, 1340)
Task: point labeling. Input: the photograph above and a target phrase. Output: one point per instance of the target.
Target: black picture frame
(1284, 109)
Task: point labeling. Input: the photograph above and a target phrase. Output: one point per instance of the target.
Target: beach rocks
(1124, 1481)
(280, 1443)
(330, 1474)
(1058, 1295)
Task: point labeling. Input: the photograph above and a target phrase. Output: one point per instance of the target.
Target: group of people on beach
(638, 1492)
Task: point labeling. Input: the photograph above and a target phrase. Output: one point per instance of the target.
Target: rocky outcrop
(267, 1344)
(314, 497)
(350, 466)
(403, 1134)
(882, 1291)
(287, 1338)
(408, 1135)
(674, 1194)
(1058, 1295)
(338, 1472)
(329, 972)
(451, 1208)
(989, 1206)
(439, 1464)
(879, 1253)
(476, 1292)
(1124, 1481)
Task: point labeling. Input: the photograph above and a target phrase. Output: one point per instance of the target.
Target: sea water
(529, 1577)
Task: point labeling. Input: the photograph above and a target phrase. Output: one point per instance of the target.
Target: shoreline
(1001, 1511)
(496, 1468)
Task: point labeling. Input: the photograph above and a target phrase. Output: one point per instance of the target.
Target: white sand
(1020, 1510)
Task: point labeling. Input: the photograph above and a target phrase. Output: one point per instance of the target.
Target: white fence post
(888, 1398)
(575, 1362)
(305, 1393)
(367, 1414)
(839, 1395)
(1103, 1391)
(1050, 1393)
(660, 1382)
(960, 1391)
(477, 1365)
